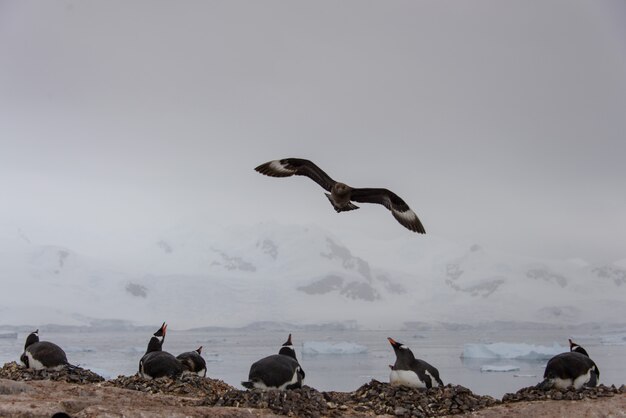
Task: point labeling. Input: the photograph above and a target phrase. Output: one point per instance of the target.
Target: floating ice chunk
(524, 375)
(322, 347)
(490, 368)
(512, 351)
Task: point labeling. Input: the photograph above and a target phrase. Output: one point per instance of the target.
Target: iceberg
(321, 347)
(490, 368)
(519, 351)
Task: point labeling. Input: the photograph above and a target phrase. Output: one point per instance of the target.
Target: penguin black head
(32, 338)
(403, 353)
(161, 331)
(573, 347)
(156, 342)
(287, 348)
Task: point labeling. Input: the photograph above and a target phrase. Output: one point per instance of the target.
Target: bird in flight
(341, 195)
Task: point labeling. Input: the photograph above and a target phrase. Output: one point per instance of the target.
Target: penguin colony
(282, 371)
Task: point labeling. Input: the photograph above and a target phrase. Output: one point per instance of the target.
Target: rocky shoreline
(82, 393)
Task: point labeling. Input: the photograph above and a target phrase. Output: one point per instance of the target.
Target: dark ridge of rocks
(304, 402)
(187, 385)
(533, 393)
(383, 398)
(372, 398)
(70, 374)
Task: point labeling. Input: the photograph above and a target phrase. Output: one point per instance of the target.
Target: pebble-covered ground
(531, 393)
(187, 385)
(383, 398)
(304, 402)
(70, 374)
(373, 398)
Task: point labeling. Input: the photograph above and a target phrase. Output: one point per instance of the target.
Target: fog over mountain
(305, 275)
(499, 123)
(129, 133)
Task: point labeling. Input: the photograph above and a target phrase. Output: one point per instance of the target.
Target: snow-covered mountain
(301, 274)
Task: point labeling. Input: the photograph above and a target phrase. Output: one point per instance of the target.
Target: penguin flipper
(248, 384)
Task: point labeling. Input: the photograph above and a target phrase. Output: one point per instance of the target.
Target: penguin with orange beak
(156, 362)
(412, 372)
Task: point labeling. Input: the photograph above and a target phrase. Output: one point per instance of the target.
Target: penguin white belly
(294, 380)
(263, 386)
(559, 383)
(34, 364)
(201, 373)
(577, 383)
(582, 380)
(434, 382)
(37, 365)
(142, 371)
(405, 378)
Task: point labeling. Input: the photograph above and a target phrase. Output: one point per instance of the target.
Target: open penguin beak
(199, 350)
(161, 331)
(288, 341)
(393, 342)
(572, 344)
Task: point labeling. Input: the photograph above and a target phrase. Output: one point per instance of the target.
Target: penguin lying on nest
(193, 362)
(573, 369)
(409, 371)
(43, 354)
(156, 362)
(279, 371)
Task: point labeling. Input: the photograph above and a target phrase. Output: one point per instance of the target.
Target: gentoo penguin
(409, 371)
(42, 354)
(570, 369)
(341, 194)
(193, 362)
(280, 371)
(156, 362)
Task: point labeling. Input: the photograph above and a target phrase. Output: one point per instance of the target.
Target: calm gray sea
(229, 354)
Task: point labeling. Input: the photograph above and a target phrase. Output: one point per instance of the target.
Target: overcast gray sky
(502, 123)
